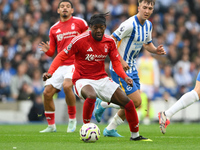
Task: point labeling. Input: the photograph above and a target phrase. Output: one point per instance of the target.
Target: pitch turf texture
(27, 137)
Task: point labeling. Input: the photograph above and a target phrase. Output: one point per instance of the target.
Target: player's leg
(89, 94)
(85, 90)
(120, 98)
(100, 107)
(186, 100)
(52, 85)
(120, 116)
(71, 104)
(127, 89)
(134, 94)
(49, 108)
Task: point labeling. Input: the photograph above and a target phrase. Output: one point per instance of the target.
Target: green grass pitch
(27, 137)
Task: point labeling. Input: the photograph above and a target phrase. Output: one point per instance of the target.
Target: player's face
(65, 10)
(98, 31)
(145, 10)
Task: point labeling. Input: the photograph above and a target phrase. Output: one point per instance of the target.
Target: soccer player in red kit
(90, 78)
(61, 34)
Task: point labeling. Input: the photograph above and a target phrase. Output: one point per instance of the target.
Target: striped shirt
(131, 36)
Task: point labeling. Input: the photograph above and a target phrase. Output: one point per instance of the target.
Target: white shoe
(72, 125)
(163, 121)
(48, 129)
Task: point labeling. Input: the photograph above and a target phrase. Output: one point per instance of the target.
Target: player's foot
(163, 121)
(48, 129)
(72, 125)
(98, 110)
(111, 133)
(140, 138)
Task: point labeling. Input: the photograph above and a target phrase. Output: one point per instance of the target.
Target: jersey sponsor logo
(73, 26)
(58, 31)
(90, 50)
(61, 36)
(91, 57)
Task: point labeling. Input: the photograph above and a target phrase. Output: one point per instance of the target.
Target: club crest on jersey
(73, 26)
(106, 48)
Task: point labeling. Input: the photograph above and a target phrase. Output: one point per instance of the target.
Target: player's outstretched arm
(156, 50)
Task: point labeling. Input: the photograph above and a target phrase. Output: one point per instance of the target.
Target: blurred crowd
(25, 23)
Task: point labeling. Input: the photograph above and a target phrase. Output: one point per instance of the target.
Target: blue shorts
(123, 85)
(198, 77)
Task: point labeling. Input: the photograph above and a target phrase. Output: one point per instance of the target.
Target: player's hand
(46, 76)
(129, 81)
(125, 65)
(44, 46)
(160, 50)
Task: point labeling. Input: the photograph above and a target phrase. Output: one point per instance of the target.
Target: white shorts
(148, 89)
(59, 75)
(104, 87)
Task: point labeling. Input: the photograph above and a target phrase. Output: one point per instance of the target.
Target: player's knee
(137, 103)
(47, 94)
(91, 96)
(67, 87)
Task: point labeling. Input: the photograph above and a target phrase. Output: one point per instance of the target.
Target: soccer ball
(89, 132)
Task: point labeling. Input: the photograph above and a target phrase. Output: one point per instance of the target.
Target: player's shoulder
(80, 37)
(108, 38)
(149, 22)
(79, 20)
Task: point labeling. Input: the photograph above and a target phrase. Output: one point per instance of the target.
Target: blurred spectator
(6, 74)
(182, 78)
(192, 23)
(167, 81)
(172, 55)
(20, 82)
(37, 110)
(16, 60)
(184, 63)
(132, 7)
(37, 82)
(149, 74)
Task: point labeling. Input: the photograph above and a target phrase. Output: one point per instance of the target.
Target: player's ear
(58, 11)
(72, 10)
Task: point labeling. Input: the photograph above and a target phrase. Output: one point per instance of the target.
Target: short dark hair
(98, 18)
(66, 1)
(147, 1)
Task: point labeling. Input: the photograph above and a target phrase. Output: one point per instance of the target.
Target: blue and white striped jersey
(131, 36)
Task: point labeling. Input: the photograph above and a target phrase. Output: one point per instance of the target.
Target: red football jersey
(89, 56)
(61, 34)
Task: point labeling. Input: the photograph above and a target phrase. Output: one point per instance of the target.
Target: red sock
(131, 116)
(72, 112)
(88, 108)
(50, 117)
